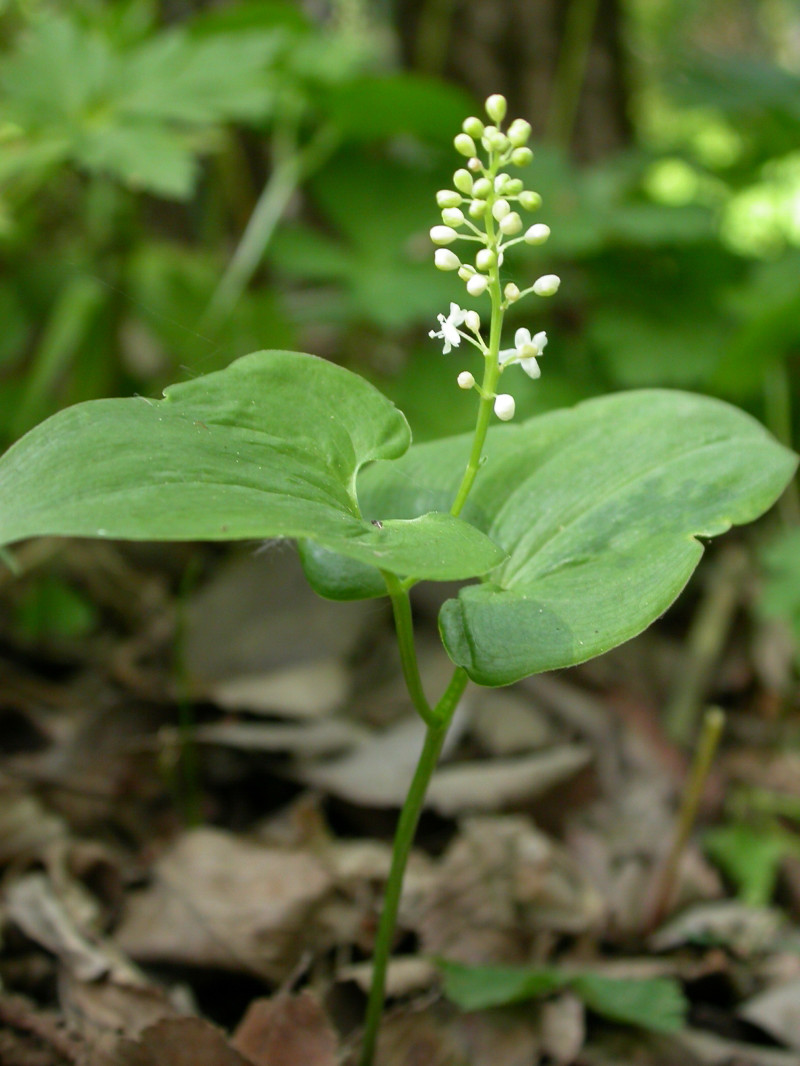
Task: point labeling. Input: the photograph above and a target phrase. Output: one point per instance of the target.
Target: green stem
(711, 732)
(570, 70)
(404, 626)
(778, 412)
(434, 30)
(404, 838)
(292, 165)
(491, 375)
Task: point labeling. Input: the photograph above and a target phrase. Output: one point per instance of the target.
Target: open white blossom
(449, 331)
(526, 350)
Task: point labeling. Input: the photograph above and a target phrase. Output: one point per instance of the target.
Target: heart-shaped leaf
(269, 447)
(598, 508)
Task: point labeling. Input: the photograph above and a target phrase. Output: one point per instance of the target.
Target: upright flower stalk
(480, 209)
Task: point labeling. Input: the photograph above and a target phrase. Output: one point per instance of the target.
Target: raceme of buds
(481, 208)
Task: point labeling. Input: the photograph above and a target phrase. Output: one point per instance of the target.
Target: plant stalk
(403, 841)
(292, 166)
(570, 70)
(404, 627)
(711, 732)
(491, 376)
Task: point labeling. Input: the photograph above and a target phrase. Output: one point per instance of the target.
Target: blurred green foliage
(177, 191)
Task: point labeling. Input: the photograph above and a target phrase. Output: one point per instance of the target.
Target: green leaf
(599, 509)
(481, 987)
(751, 857)
(336, 577)
(657, 1003)
(269, 447)
(368, 108)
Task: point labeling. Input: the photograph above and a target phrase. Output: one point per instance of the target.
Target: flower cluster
(481, 208)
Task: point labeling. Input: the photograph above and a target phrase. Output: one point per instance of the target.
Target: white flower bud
(485, 259)
(465, 271)
(453, 216)
(511, 292)
(504, 407)
(482, 188)
(546, 285)
(474, 163)
(472, 320)
(464, 144)
(521, 157)
(444, 259)
(477, 284)
(473, 126)
(500, 208)
(443, 235)
(537, 234)
(530, 200)
(465, 380)
(500, 182)
(477, 209)
(518, 132)
(496, 107)
(447, 198)
(510, 224)
(462, 179)
(513, 187)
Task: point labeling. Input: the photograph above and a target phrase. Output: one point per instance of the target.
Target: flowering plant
(581, 526)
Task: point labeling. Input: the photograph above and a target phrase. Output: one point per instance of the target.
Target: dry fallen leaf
(500, 882)
(287, 1031)
(777, 1012)
(179, 1042)
(217, 900)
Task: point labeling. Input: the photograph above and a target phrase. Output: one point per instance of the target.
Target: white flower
(546, 285)
(443, 235)
(504, 407)
(445, 259)
(526, 350)
(472, 320)
(537, 234)
(477, 284)
(449, 331)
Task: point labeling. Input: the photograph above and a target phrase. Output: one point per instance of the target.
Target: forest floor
(200, 774)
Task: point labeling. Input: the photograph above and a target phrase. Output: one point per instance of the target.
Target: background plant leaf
(657, 1003)
(268, 447)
